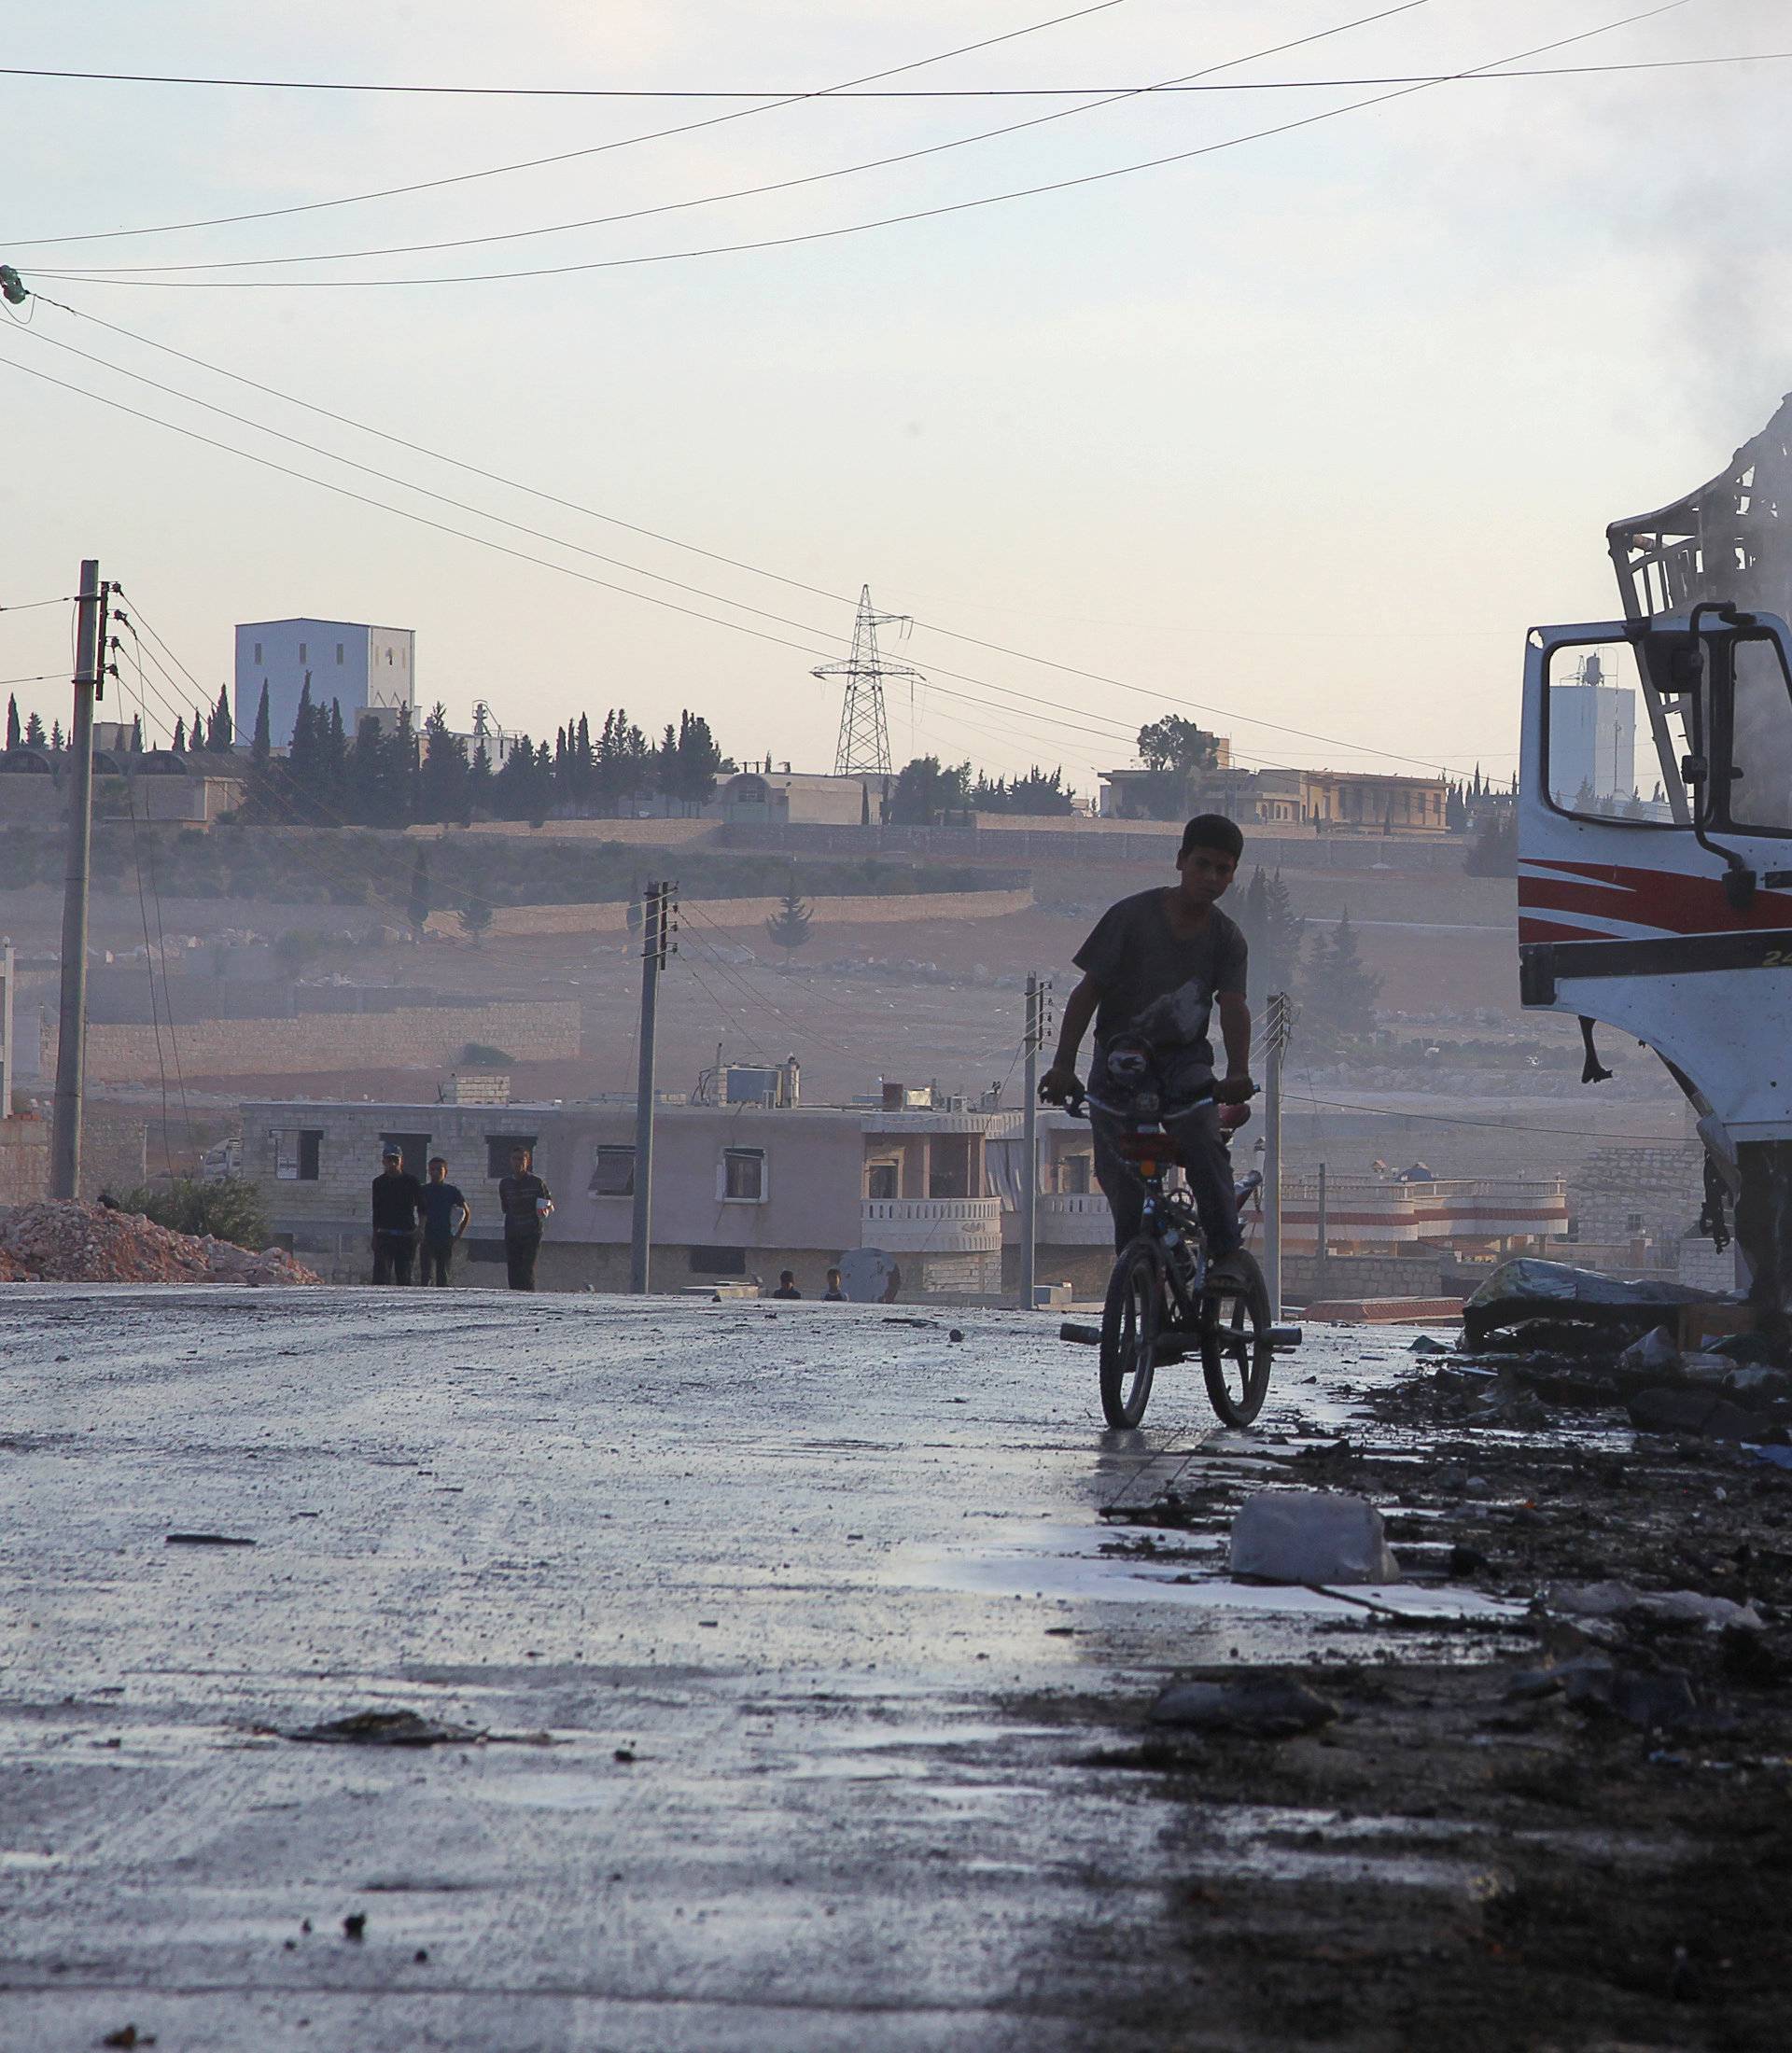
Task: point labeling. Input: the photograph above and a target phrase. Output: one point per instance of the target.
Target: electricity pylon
(864, 730)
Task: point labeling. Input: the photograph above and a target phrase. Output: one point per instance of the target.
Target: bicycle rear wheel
(1131, 1321)
(1237, 1352)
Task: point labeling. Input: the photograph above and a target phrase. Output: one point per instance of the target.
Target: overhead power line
(853, 228)
(786, 94)
(1010, 699)
(740, 193)
(594, 149)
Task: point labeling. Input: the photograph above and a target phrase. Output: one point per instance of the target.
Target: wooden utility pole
(71, 1037)
(658, 906)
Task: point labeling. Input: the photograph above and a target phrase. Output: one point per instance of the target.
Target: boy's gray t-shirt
(1156, 984)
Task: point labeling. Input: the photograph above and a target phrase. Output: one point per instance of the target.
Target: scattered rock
(1466, 1561)
(1426, 1344)
(355, 1925)
(1309, 1536)
(1527, 1684)
(1701, 1411)
(386, 1728)
(1646, 1699)
(127, 2035)
(204, 1540)
(1658, 1351)
(1262, 1707)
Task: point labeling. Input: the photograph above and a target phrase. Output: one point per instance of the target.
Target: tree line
(396, 775)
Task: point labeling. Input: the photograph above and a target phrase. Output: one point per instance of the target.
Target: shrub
(230, 1209)
(481, 1055)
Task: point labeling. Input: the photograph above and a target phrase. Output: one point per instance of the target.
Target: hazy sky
(1307, 431)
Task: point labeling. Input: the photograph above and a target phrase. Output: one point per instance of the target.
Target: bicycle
(1160, 1304)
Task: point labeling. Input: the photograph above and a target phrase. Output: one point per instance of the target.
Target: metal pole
(6, 1029)
(1322, 1252)
(71, 1041)
(653, 955)
(1274, 1040)
(1029, 1153)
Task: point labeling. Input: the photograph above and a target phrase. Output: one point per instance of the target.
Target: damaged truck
(1669, 917)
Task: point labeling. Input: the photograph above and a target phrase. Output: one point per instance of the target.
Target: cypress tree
(12, 721)
(262, 747)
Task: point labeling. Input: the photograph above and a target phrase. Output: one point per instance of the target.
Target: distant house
(1317, 801)
(787, 798)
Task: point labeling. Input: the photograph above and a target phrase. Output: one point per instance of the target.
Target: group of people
(432, 1216)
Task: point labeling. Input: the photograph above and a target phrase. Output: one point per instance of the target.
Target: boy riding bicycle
(1153, 969)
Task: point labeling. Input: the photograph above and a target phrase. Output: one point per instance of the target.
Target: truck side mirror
(1694, 769)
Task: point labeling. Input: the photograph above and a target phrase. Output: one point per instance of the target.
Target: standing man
(526, 1203)
(398, 1198)
(442, 1201)
(1154, 969)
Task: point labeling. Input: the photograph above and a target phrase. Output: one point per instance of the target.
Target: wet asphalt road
(758, 1607)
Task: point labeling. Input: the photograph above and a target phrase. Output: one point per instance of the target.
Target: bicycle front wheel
(1237, 1351)
(1132, 1321)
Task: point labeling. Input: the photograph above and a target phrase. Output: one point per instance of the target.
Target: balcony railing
(932, 1225)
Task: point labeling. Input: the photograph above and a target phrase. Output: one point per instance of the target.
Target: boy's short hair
(1212, 830)
(437, 1162)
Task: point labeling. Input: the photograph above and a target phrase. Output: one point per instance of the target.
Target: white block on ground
(1311, 1536)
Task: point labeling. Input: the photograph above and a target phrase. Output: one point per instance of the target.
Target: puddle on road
(1065, 1563)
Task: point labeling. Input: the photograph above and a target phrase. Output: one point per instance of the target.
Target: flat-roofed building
(360, 668)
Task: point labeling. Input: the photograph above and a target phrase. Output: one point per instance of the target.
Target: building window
(388, 659)
(498, 1151)
(613, 1173)
(295, 1154)
(1073, 1173)
(338, 652)
(414, 1148)
(883, 1180)
(718, 1262)
(257, 651)
(301, 651)
(741, 1178)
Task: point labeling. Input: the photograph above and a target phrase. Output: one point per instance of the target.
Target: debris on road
(55, 1242)
(1309, 1537)
(1556, 1292)
(1262, 1707)
(355, 1925)
(1680, 1606)
(386, 1728)
(205, 1540)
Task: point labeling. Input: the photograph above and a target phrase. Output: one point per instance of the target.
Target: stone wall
(644, 833)
(24, 1161)
(531, 1031)
(1651, 1193)
(610, 917)
(1306, 1278)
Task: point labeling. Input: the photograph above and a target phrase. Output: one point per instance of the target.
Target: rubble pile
(74, 1243)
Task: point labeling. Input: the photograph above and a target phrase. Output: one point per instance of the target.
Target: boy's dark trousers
(393, 1254)
(437, 1256)
(1195, 1135)
(520, 1251)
